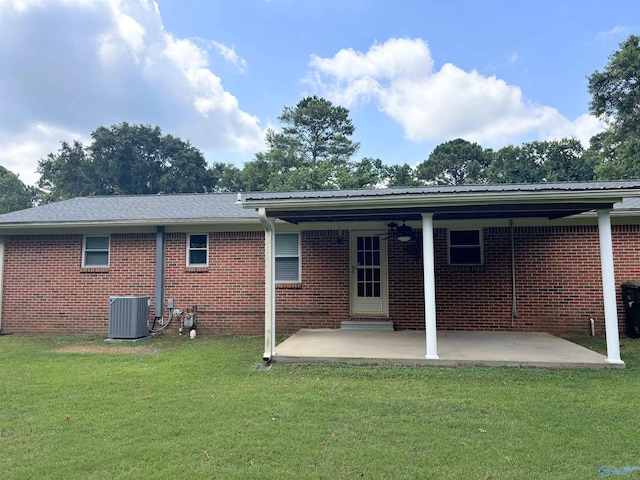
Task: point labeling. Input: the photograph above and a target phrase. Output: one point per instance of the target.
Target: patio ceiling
(457, 212)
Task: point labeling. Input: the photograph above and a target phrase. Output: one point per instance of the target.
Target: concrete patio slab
(455, 348)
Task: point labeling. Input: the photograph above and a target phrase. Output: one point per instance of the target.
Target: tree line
(314, 150)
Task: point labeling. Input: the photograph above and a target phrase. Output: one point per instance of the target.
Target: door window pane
(368, 267)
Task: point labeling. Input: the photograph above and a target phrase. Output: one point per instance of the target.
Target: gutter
(129, 223)
(269, 286)
(514, 309)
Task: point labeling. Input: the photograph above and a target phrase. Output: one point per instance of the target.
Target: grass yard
(173, 408)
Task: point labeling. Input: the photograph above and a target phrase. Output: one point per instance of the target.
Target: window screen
(197, 249)
(287, 257)
(465, 247)
(96, 252)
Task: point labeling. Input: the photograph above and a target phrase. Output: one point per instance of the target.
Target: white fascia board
(44, 227)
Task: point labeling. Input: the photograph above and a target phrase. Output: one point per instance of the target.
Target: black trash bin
(631, 300)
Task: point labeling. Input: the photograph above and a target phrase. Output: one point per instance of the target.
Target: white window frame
(297, 256)
(189, 250)
(479, 245)
(86, 250)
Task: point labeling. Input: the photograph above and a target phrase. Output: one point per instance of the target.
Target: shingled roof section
(135, 208)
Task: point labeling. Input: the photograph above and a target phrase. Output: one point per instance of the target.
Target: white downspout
(609, 288)
(429, 263)
(1, 278)
(269, 285)
(514, 309)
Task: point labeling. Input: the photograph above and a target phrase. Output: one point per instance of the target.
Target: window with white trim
(287, 257)
(95, 251)
(465, 247)
(197, 250)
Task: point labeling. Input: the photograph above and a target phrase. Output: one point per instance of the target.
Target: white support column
(428, 260)
(269, 286)
(609, 288)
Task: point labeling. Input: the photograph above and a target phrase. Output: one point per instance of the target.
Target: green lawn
(175, 408)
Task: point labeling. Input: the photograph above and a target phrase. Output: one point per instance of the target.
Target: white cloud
(20, 153)
(74, 65)
(615, 32)
(583, 128)
(230, 55)
(439, 105)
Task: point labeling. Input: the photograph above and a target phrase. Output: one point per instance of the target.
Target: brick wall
(558, 282)
(229, 293)
(46, 291)
(321, 300)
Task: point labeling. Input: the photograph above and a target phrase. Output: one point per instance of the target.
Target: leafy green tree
(367, 173)
(255, 174)
(124, 159)
(138, 159)
(616, 90)
(542, 161)
(564, 161)
(224, 177)
(616, 100)
(514, 164)
(316, 131)
(454, 163)
(68, 173)
(312, 151)
(401, 176)
(14, 195)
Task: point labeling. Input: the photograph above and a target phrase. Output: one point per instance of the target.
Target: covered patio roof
(445, 202)
(451, 202)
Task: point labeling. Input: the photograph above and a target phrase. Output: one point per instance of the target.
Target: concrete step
(367, 325)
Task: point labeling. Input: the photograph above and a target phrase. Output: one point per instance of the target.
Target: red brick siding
(229, 293)
(321, 300)
(406, 292)
(558, 282)
(46, 291)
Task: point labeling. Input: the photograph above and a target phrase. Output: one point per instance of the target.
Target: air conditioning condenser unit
(128, 317)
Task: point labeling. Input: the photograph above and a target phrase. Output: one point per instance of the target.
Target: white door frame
(370, 307)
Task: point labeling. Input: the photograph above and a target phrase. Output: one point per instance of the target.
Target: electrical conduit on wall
(160, 255)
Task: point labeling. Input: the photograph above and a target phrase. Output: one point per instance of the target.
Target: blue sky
(412, 73)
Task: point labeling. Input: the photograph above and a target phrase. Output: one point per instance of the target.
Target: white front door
(369, 290)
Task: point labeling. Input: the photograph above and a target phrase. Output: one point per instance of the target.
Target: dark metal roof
(446, 202)
(135, 209)
(225, 208)
(443, 189)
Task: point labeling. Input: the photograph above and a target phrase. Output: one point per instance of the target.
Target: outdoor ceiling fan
(403, 232)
